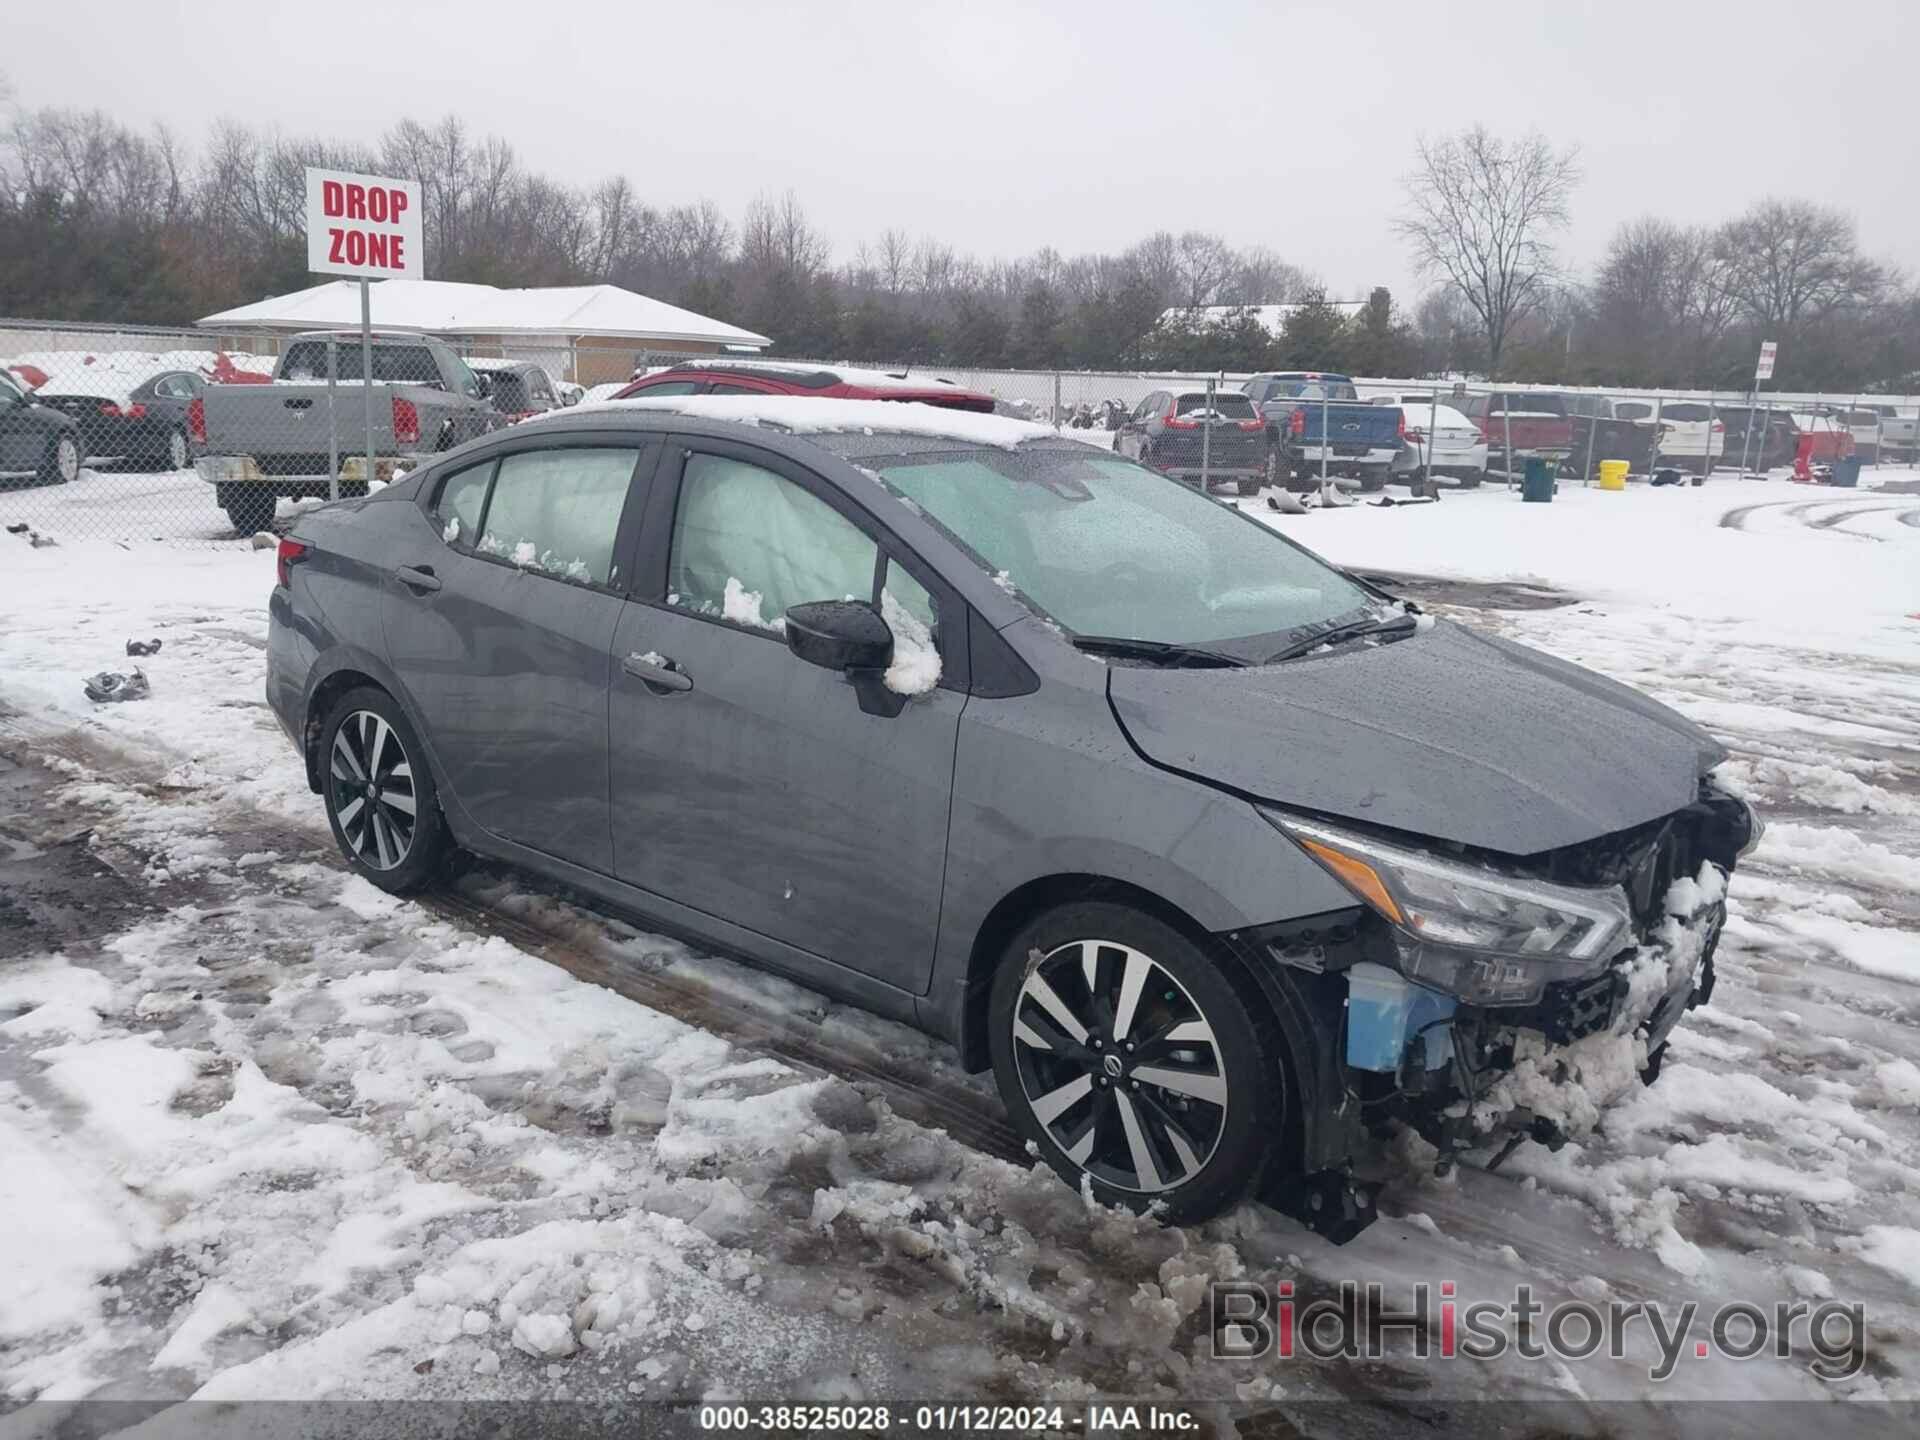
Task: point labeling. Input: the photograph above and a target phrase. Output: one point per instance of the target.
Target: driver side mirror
(848, 636)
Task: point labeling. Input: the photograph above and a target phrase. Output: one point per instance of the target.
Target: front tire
(1134, 1062)
(249, 507)
(61, 464)
(381, 802)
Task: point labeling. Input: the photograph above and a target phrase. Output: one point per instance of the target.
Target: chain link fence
(194, 437)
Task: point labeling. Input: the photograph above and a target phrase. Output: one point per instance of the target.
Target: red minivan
(739, 377)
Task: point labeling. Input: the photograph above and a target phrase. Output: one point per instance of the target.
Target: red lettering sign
(332, 198)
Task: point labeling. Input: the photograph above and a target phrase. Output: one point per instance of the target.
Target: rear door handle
(417, 577)
(659, 673)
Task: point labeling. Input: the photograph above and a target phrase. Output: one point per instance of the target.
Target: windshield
(1107, 547)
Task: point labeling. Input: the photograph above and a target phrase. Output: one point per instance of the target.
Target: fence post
(1706, 463)
(333, 419)
(1746, 435)
(1326, 437)
(1426, 450)
(1506, 422)
(1206, 444)
(1653, 453)
(1056, 400)
(1593, 433)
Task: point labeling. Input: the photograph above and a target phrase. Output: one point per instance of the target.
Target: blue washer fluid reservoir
(1385, 1010)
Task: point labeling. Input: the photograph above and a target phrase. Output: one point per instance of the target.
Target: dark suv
(741, 377)
(1180, 433)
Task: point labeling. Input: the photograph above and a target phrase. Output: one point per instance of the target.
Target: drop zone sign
(364, 225)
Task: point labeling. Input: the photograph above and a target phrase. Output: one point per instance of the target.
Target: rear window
(1225, 402)
(1528, 405)
(1632, 410)
(1314, 390)
(1686, 410)
(409, 364)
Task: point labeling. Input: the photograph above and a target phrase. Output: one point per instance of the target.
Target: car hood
(1448, 733)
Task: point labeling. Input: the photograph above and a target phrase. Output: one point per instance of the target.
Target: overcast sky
(1003, 127)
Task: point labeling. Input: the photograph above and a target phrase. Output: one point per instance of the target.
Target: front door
(501, 629)
(749, 784)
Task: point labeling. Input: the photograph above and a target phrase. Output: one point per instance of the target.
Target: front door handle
(417, 577)
(660, 674)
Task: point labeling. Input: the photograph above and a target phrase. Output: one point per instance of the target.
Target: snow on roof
(447, 307)
(848, 374)
(115, 374)
(802, 415)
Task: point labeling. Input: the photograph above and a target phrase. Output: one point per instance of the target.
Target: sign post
(366, 226)
(1762, 370)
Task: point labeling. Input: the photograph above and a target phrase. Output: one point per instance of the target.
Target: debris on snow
(110, 687)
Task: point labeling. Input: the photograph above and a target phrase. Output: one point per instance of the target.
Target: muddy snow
(269, 1132)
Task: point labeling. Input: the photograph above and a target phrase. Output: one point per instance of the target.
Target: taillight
(1402, 416)
(135, 412)
(1412, 437)
(1297, 423)
(290, 553)
(108, 408)
(1253, 424)
(197, 419)
(1719, 427)
(1173, 421)
(406, 421)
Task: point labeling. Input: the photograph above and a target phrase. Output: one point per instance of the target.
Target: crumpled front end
(1492, 1000)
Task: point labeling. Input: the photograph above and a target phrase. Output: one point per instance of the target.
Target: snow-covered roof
(1272, 318)
(115, 374)
(448, 307)
(803, 414)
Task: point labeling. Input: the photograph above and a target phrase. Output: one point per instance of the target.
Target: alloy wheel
(176, 451)
(371, 790)
(1120, 1065)
(67, 460)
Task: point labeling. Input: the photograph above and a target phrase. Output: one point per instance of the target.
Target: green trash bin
(1537, 485)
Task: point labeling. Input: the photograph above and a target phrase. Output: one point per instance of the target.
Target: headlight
(1488, 938)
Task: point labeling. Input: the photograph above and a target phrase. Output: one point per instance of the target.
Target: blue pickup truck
(1297, 404)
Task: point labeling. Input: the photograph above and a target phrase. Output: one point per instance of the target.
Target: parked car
(1186, 434)
(144, 428)
(1688, 434)
(262, 442)
(1439, 441)
(519, 389)
(37, 442)
(1599, 434)
(1760, 437)
(1863, 423)
(1303, 408)
(744, 377)
(1213, 910)
(1518, 425)
(1899, 434)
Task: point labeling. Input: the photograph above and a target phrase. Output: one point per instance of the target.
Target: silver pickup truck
(298, 435)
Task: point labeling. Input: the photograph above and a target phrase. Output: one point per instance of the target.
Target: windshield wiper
(1161, 650)
(1398, 627)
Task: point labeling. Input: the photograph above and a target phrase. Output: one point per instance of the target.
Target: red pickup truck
(1528, 422)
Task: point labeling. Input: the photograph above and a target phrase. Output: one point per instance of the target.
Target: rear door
(751, 785)
(499, 619)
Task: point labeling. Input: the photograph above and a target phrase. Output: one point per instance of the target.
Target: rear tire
(1372, 480)
(1470, 479)
(1172, 1097)
(176, 454)
(249, 508)
(381, 802)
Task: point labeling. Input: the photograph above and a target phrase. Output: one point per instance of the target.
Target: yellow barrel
(1613, 474)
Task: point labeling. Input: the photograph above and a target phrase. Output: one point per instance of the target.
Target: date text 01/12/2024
(961, 1419)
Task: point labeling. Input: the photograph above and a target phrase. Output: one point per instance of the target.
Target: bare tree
(1792, 261)
(1484, 210)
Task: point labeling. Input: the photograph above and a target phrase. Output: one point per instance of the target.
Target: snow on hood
(805, 415)
(1448, 734)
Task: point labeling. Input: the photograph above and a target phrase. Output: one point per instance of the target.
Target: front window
(748, 544)
(1106, 547)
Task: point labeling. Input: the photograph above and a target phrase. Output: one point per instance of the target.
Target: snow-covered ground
(268, 1132)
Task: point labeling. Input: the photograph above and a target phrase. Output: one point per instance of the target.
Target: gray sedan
(1220, 857)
